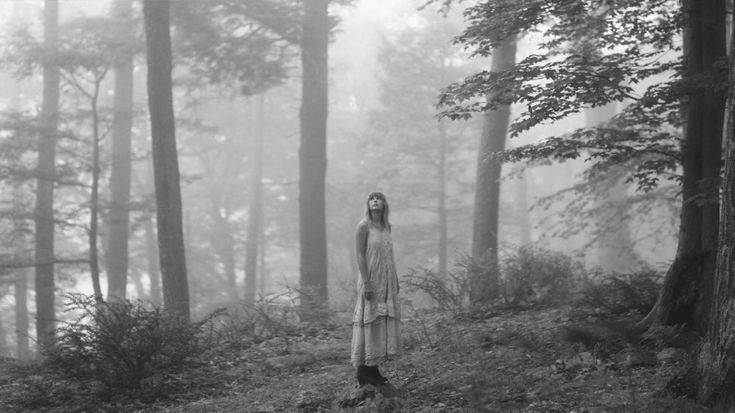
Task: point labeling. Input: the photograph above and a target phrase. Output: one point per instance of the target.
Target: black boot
(379, 377)
(374, 377)
(363, 375)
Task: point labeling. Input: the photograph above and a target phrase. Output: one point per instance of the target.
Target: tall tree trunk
(487, 192)
(20, 239)
(44, 210)
(120, 170)
(94, 267)
(687, 289)
(442, 200)
(715, 369)
(255, 214)
(165, 158)
(313, 156)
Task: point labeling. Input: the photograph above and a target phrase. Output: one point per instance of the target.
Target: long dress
(376, 323)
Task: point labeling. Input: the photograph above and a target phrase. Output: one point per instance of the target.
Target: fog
(388, 61)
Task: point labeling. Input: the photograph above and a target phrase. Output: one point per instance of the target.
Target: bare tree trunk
(94, 266)
(120, 171)
(165, 158)
(20, 240)
(255, 215)
(487, 192)
(44, 211)
(715, 369)
(687, 289)
(313, 156)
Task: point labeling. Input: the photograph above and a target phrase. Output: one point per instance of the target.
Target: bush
(527, 275)
(450, 291)
(536, 275)
(618, 294)
(120, 344)
(270, 316)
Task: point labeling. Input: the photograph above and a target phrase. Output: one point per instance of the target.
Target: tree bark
(20, 240)
(487, 192)
(165, 158)
(44, 209)
(120, 170)
(255, 208)
(313, 157)
(94, 267)
(686, 293)
(715, 368)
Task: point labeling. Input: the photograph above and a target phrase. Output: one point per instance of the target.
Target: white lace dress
(376, 323)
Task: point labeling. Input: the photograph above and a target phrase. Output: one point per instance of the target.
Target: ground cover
(530, 360)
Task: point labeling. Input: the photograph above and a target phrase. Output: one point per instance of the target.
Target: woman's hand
(368, 291)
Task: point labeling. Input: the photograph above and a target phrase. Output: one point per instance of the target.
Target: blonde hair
(386, 209)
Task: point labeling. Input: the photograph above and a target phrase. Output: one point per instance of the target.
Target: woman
(376, 320)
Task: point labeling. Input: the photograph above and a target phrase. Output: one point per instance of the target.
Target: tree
(246, 47)
(487, 192)
(562, 80)
(312, 155)
(686, 292)
(46, 173)
(120, 170)
(86, 54)
(165, 158)
(715, 367)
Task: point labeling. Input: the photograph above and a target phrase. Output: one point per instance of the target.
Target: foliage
(269, 317)
(248, 43)
(592, 53)
(622, 293)
(528, 276)
(451, 290)
(536, 275)
(122, 344)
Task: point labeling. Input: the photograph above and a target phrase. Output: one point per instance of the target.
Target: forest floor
(534, 360)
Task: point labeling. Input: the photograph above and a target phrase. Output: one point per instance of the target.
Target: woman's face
(376, 203)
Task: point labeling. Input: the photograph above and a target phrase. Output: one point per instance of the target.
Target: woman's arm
(361, 247)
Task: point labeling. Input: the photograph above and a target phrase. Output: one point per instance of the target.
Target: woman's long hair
(386, 209)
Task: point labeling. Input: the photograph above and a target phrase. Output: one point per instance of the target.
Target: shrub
(532, 274)
(618, 294)
(450, 291)
(269, 316)
(120, 343)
